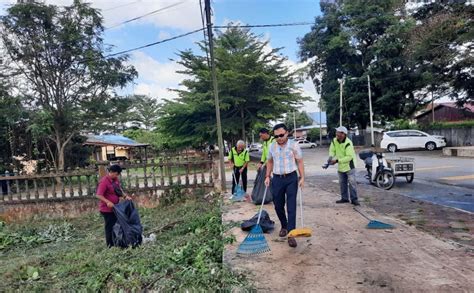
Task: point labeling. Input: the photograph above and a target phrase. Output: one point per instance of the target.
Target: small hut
(113, 147)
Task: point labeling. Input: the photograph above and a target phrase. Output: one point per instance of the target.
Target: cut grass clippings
(53, 255)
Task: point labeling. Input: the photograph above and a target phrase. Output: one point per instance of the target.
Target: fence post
(79, 179)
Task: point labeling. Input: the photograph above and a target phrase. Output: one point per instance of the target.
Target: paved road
(448, 181)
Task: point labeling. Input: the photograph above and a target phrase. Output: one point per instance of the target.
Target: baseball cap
(342, 129)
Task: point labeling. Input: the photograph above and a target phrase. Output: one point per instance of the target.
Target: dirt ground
(344, 256)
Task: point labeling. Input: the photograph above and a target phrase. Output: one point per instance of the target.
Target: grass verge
(53, 255)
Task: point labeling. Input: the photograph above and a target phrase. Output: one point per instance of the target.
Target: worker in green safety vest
(343, 154)
(239, 158)
(267, 140)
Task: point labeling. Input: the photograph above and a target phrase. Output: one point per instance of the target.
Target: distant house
(112, 147)
(445, 112)
(316, 118)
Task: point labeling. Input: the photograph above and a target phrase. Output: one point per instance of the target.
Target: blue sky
(157, 72)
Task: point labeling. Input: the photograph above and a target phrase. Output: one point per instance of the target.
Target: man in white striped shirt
(284, 159)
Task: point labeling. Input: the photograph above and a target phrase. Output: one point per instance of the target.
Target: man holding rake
(284, 160)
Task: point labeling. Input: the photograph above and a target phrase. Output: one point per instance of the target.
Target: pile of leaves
(186, 255)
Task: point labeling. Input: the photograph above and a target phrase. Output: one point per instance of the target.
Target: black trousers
(110, 219)
(284, 191)
(237, 178)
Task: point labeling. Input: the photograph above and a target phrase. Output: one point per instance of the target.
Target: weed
(187, 256)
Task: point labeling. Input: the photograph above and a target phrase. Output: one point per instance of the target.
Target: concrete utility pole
(220, 140)
(341, 85)
(432, 108)
(294, 124)
(320, 121)
(371, 113)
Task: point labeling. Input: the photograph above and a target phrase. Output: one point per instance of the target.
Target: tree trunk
(243, 123)
(11, 141)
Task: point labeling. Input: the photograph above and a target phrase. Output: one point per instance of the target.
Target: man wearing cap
(239, 158)
(109, 192)
(284, 159)
(343, 153)
(267, 140)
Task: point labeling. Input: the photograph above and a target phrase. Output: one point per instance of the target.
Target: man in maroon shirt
(109, 192)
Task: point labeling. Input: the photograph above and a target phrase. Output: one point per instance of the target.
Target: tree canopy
(59, 54)
(255, 86)
(406, 56)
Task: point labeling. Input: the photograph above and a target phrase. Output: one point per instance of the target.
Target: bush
(52, 255)
(400, 124)
(443, 125)
(313, 135)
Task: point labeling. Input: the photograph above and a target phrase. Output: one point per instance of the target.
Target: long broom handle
(363, 215)
(301, 207)
(261, 206)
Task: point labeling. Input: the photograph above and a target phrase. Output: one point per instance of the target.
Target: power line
(204, 32)
(265, 25)
(200, 29)
(155, 43)
(145, 15)
(120, 6)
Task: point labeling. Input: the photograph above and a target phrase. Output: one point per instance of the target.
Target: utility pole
(432, 108)
(341, 85)
(294, 124)
(320, 121)
(220, 141)
(371, 114)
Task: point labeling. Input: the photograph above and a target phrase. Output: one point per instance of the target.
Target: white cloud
(185, 16)
(156, 78)
(163, 35)
(307, 87)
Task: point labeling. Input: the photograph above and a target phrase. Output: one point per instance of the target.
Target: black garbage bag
(265, 222)
(128, 229)
(259, 188)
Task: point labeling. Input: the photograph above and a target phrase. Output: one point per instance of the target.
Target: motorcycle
(378, 169)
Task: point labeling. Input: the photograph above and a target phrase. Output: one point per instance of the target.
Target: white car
(411, 139)
(255, 147)
(304, 144)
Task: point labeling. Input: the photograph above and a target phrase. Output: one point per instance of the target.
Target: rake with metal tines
(255, 242)
(374, 224)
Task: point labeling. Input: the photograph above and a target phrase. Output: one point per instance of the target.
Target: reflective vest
(265, 148)
(344, 153)
(239, 159)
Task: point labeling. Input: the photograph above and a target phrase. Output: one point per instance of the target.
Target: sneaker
(292, 242)
(356, 202)
(342, 201)
(283, 233)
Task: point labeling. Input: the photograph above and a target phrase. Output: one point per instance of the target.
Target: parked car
(411, 139)
(304, 144)
(255, 147)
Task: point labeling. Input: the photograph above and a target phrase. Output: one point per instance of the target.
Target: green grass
(56, 255)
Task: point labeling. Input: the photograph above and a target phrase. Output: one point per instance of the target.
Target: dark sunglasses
(279, 136)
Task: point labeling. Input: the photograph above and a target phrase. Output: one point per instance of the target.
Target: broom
(302, 231)
(239, 192)
(374, 224)
(255, 242)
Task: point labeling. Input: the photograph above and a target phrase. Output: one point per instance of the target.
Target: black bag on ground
(128, 229)
(265, 222)
(259, 188)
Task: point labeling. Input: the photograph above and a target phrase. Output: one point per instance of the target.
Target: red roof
(467, 106)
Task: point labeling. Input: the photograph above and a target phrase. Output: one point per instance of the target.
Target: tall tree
(354, 39)
(61, 56)
(145, 111)
(302, 119)
(442, 49)
(255, 86)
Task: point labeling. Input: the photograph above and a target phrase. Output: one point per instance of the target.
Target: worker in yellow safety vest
(239, 158)
(267, 140)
